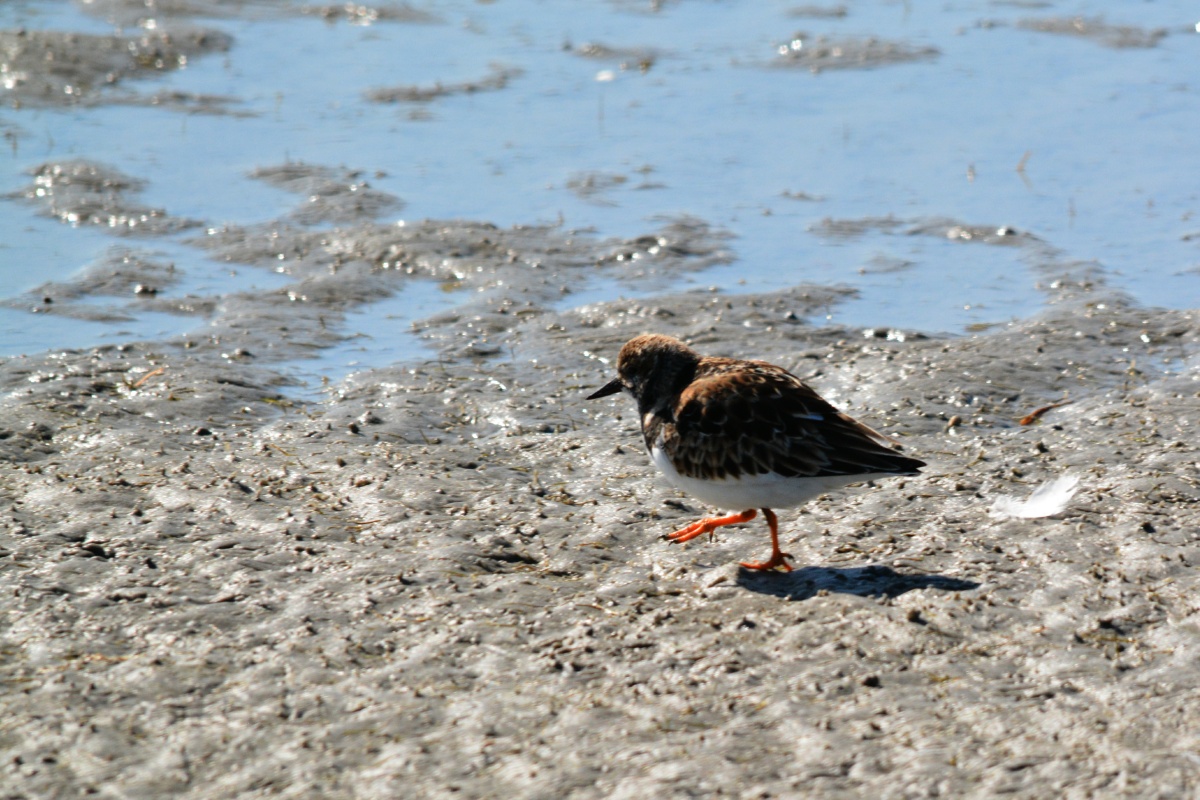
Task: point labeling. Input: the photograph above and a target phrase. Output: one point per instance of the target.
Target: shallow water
(1084, 145)
(377, 333)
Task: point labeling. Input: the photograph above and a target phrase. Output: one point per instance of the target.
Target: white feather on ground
(1048, 499)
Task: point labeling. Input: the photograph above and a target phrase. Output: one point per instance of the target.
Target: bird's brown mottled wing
(748, 418)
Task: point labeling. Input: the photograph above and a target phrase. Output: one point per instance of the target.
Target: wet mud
(54, 69)
(641, 59)
(1096, 30)
(335, 257)
(819, 12)
(820, 53)
(331, 195)
(95, 293)
(136, 13)
(83, 192)
(57, 68)
(450, 578)
(498, 79)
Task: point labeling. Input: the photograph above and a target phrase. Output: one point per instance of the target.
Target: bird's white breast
(767, 490)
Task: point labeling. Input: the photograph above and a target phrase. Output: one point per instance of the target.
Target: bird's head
(652, 368)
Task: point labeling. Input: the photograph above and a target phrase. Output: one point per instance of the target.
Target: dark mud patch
(846, 228)
(1004, 235)
(598, 187)
(368, 13)
(121, 274)
(801, 196)
(880, 264)
(642, 59)
(330, 195)
(1097, 30)
(91, 69)
(190, 103)
(332, 256)
(83, 192)
(498, 79)
(594, 186)
(819, 12)
(504, 274)
(1059, 275)
(822, 53)
(135, 13)
(951, 229)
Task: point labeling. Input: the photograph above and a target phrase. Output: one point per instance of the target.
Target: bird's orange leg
(778, 559)
(709, 525)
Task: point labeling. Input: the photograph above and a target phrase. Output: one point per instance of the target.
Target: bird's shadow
(872, 581)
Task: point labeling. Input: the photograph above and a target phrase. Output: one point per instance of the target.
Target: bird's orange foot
(777, 560)
(692, 531)
(708, 525)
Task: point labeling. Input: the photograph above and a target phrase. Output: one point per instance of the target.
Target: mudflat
(449, 578)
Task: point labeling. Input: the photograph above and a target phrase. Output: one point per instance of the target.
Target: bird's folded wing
(764, 419)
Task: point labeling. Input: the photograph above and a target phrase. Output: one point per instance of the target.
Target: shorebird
(745, 435)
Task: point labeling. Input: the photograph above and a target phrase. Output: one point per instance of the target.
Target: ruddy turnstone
(744, 435)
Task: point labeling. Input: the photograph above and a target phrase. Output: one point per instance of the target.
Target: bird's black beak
(612, 387)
